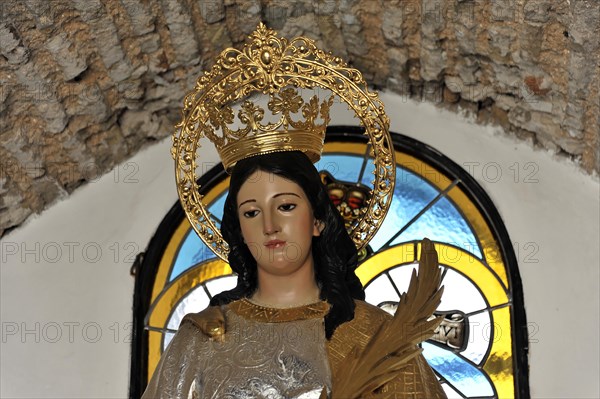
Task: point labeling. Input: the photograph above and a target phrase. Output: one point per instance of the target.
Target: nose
(270, 224)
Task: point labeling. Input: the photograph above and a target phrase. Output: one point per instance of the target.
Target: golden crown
(279, 69)
(256, 137)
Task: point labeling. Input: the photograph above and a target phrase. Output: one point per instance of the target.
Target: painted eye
(250, 214)
(288, 207)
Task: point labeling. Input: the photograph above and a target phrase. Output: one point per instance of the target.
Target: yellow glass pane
(168, 299)
(154, 352)
(177, 239)
(483, 233)
(499, 365)
(384, 260)
(471, 266)
(168, 257)
(422, 169)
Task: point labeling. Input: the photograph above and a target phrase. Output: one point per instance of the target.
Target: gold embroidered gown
(275, 354)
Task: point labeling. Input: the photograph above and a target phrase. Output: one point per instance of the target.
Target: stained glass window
(479, 350)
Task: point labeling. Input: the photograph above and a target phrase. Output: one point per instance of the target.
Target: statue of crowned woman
(296, 324)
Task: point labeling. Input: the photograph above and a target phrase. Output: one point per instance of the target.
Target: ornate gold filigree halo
(276, 67)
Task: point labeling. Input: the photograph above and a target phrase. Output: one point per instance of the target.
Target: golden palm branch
(395, 341)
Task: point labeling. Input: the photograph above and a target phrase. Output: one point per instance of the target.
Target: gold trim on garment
(263, 314)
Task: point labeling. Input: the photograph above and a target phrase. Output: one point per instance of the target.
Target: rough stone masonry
(84, 84)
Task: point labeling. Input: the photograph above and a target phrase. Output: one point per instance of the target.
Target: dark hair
(334, 264)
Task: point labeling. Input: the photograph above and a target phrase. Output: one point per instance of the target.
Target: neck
(283, 291)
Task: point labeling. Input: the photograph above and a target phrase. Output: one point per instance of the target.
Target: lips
(274, 244)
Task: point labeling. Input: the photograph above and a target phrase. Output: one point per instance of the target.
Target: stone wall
(84, 84)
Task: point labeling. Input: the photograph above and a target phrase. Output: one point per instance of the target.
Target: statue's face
(271, 207)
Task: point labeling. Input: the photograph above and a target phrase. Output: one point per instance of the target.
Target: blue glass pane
(368, 175)
(342, 167)
(442, 222)
(191, 252)
(411, 195)
(465, 377)
(216, 207)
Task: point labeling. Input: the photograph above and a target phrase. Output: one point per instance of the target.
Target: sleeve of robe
(177, 374)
